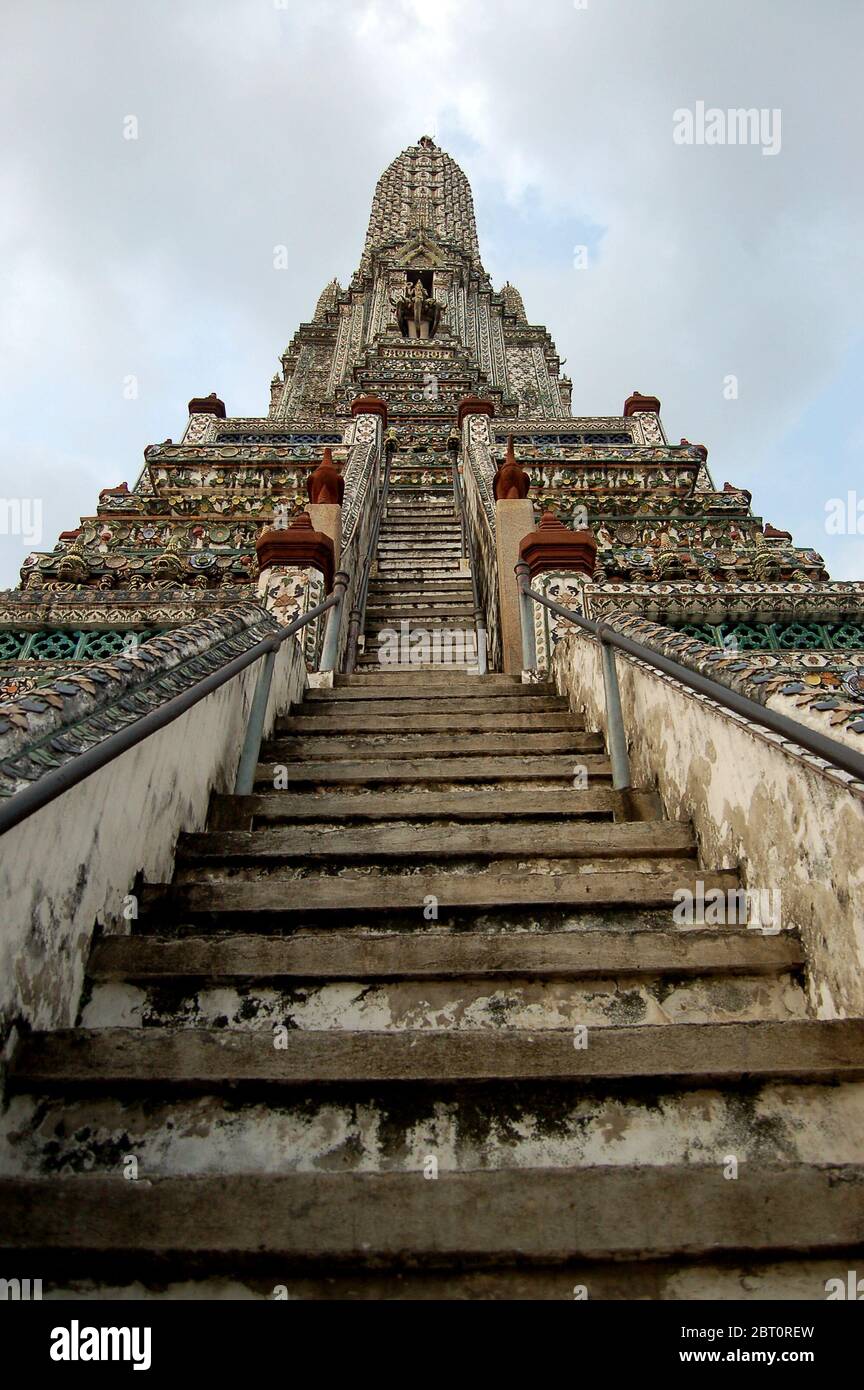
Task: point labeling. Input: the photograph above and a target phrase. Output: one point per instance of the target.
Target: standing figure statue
(418, 313)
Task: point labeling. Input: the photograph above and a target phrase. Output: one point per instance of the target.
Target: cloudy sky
(262, 124)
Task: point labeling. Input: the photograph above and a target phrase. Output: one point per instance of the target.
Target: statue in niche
(418, 312)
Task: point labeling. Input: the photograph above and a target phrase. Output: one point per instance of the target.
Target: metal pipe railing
(470, 554)
(251, 752)
(847, 759)
(358, 612)
(26, 802)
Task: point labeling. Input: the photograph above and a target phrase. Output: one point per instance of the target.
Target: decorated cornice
(71, 607)
(49, 726)
(828, 685)
(711, 601)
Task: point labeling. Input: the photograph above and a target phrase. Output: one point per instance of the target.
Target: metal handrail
(847, 759)
(358, 612)
(471, 556)
(25, 803)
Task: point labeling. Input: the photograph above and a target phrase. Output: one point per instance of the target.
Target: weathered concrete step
(422, 722)
(407, 688)
(416, 621)
(423, 614)
(433, 511)
(410, 535)
(408, 604)
(428, 579)
(405, 557)
(781, 1278)
(418, 545)
(539, 768)
(685, 1053)
(427, 589)
(430, 955)
(507, 685)
(386, 605)
(423, 523)
(407, 893)
(518, 840)
(374, 665)
(386, 1128)
(430, 575)
(304, 1218)
(333, 711)
(401, 567)
(449, 584)
(418, 562)
(408, 594)
(386, 746)
(431, 1004)
(239, 812)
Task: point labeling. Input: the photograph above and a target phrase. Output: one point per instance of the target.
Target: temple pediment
(420, 252)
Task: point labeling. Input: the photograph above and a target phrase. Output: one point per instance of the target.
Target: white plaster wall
(74, 862)
(787, 824)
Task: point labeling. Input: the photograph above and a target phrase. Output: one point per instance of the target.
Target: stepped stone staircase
(414, 1020)
(421, 589)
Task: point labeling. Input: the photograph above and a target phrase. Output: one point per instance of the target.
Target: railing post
(615, 734)
(526, 608)
(245, 781)
(330, 653)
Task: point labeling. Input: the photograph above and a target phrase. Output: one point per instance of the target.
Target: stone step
(684, 1053)
(732, 951)
(430, 574)
(431, 1004)
(414, 552)
(390, 746)
(422, 527)
(599, 1213)
(450, 584)
(461, 600)
(386, 1219)
(338, 721)
(414, 535)
(373, 1127)
(778, 1277)
(418, 563)
(422, 557)
(542, 767)
(489, 683)
(407, 534)
(423, 611)
(373, 664)
(633, 839)
(326, 712)
(240, 812)
(407, 687)
(417, 621)
(434, 510)
(453, 591)
(407, 893)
